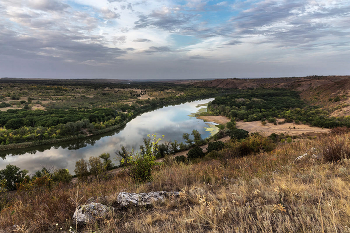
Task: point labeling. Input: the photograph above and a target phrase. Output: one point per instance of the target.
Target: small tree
(81, 169)
(96, 166)
(186, 137)
(61, 175)
(239, 134)
(107, 162)
(218, 145)
(11, 176)
(197, 137)
(140, 165)
(195, 152)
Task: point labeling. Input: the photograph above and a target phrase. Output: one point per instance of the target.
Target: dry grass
(266, 192)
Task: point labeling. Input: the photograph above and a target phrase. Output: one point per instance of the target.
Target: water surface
(171, 121)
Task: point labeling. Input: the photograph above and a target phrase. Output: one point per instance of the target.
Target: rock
(91, 212)
(300, 157)
(142, 199)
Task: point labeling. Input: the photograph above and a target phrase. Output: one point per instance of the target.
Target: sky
(173, 39)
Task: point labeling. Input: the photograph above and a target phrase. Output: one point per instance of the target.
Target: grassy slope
(265, 192)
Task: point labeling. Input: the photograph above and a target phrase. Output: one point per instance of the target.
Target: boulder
(91, 212)
(142, 199)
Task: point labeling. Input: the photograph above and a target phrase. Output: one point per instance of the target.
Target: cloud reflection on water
(170, 121)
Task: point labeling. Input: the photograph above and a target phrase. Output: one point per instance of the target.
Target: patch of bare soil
(7, 108)
(222, 120)
(286, 128)
(38, 107)
(145, 97)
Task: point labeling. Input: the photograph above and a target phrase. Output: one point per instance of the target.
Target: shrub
(340, 130)
(335, 149)
(11, 176)
(81, 169)
(96, 166)
(254, 144)
(140, 165)
(107, 162)
(61, 175)
(213, 154)
(213, 146)
(181, 159)
(195, 152)
(239, 134)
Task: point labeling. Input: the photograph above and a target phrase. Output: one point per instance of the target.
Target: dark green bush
(11, 176)
(181, 159)
(238, 134)
(81, 169)
(195, 152)
(61, 175)
(218, 145)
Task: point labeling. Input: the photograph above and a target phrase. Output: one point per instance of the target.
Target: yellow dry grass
(265, 192)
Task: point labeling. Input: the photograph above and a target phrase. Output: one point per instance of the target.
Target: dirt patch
(7, 108)
(222, 120)
(38, 107)
(145, 97)
(286, 128)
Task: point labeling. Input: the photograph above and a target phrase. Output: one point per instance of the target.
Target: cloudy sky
(135, 39)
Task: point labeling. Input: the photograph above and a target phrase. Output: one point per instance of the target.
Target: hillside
(330, 92)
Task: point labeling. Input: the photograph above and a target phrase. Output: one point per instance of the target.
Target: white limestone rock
(91, 212)
(142, 199)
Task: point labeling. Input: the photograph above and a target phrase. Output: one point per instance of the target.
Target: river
(171, 121)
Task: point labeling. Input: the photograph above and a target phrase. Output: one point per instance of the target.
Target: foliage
(11, 176)
(186, 137)
(195, 152)
(140, 165)
(238, 134)
(81, 169)
(197, 137)
(107, 162)
(269, 104)
(217, 145)
(70, 112)
(96, 166)
(181, 159)
(253, 144)
(174, 146)
(61, 175)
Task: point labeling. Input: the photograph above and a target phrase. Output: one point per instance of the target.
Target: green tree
(96, 166)
(195, 152)
(107, 162)
(186, 137)
(61, 175)
(140, 165)
(197, 137)
(81, 169)
(12, 175)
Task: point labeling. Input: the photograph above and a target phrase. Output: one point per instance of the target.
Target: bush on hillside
(12, 175)
(335, 149)
(218, 145)
(195, 152)
(61, 175)
(239, 134)
(254, 144)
